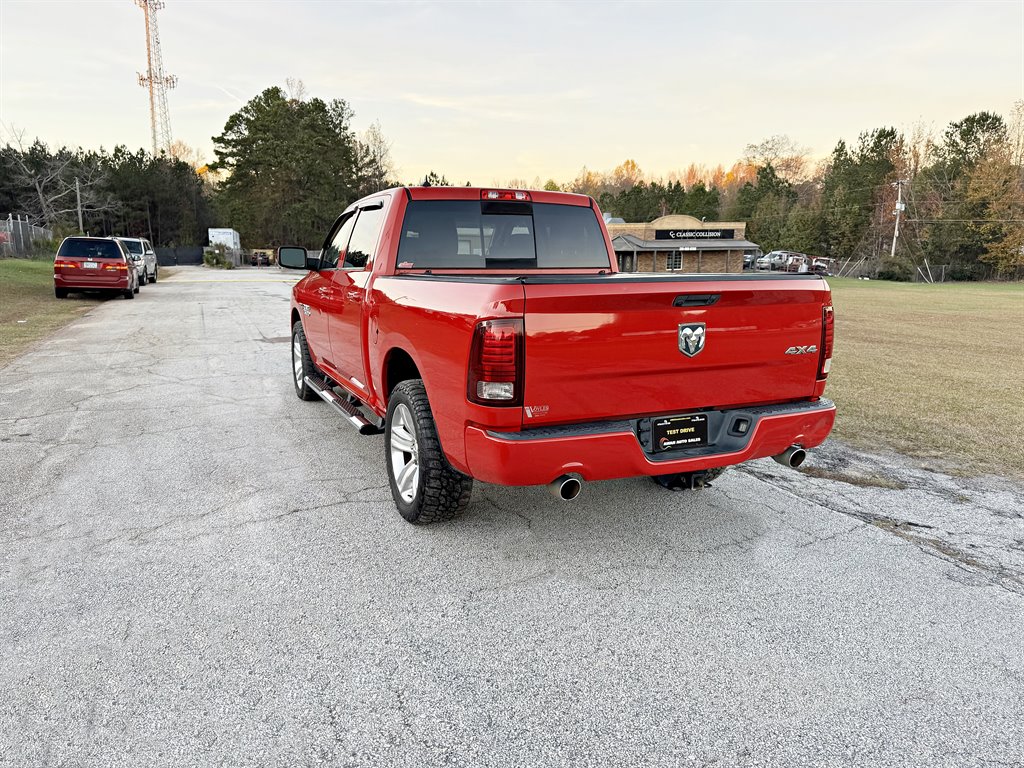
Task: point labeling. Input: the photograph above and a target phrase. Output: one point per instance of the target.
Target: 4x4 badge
(691, 338)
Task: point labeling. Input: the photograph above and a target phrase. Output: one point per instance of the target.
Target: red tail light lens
(60, 264)
(116, 267)
(828, 330)
(496, 363)
(505, 194)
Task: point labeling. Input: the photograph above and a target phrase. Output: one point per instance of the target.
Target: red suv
(94, 264)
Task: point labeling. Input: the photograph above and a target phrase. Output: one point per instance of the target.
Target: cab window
(329, 256)
(364, 237)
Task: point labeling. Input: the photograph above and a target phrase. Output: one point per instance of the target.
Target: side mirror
(292, 257)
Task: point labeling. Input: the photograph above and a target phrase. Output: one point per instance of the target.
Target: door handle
(696, 299)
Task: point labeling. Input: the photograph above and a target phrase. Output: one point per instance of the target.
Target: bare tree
(58, 180)
(376, 169)
(789, 159)
(191, 155)
(1016, 134)
(295, 89)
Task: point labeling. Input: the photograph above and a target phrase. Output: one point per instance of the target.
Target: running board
(350, 411)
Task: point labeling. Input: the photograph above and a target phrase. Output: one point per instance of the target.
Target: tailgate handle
(696, 299)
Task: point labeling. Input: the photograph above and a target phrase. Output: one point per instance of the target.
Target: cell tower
(155, 80)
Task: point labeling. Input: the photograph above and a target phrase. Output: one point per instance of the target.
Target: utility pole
(900, 206)
(78, 197)
(155, 80)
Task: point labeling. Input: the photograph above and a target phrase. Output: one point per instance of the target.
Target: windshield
(470, 234)
(75, 248)
(133, 246)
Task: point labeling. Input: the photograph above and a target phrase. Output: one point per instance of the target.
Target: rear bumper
(109, 284)
(613, 450)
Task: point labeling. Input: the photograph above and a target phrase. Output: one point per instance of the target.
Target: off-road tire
(300, 349)
(60, 293)
(442, 492)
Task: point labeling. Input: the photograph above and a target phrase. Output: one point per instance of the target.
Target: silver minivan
(140, 247)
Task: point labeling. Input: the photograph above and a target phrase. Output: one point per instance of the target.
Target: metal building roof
(633, 243)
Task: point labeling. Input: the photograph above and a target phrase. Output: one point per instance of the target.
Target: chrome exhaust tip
(565, 488)
(791, 457)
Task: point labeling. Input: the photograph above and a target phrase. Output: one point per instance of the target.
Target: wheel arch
(398, 366)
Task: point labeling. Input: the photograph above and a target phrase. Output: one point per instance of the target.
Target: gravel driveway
(197, 568)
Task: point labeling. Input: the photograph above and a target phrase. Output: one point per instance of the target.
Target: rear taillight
(116, 267)
(828, 330)
(496, 363)
(59, 264)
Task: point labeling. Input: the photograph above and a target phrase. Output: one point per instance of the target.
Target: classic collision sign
(694, 234)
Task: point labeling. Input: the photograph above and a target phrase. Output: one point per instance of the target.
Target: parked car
(776, 260)
(94, 264)
(822, 266)
(139, 263)
(489, 334)
(797, 262)
(140, 247)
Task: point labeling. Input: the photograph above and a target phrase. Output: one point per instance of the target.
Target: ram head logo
(691, 338)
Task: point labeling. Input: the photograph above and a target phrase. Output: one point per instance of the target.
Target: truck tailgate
(610, 347)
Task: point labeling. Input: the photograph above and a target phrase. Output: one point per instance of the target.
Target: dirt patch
(863, 481)
(976, 523)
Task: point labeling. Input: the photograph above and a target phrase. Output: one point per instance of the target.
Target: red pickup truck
(488, 334)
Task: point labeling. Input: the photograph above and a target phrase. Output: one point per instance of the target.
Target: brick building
(680, 243)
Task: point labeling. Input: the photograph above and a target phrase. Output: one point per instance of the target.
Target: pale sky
(491, 91)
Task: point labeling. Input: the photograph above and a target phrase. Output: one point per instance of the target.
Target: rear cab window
(133, 246)
(512, 235)
(80, 248)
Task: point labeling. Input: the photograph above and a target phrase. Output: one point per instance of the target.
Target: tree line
(961, 196)
(120, 192)
(286, 165)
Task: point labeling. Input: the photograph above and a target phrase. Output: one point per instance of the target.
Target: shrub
(895, 270)
(216, 257)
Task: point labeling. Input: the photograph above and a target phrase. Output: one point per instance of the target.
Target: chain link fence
(19, 238)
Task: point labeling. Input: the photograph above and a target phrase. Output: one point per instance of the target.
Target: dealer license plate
(90, 265)
(675, 432)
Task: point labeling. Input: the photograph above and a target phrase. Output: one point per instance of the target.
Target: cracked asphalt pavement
(197, 568)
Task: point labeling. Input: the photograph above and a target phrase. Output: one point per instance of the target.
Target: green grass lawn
(28, 309)
(934, 371)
